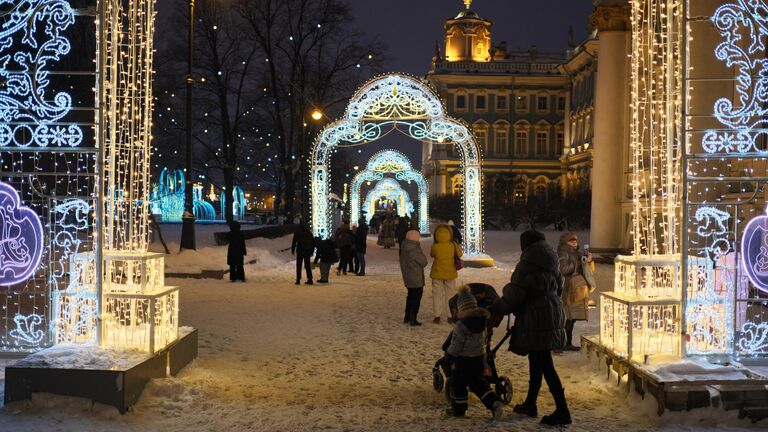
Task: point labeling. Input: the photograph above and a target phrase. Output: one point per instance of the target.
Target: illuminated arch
(390, 162)
(404, 103)
(389, 189)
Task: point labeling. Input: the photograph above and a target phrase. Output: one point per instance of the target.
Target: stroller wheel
(504, 389)
(437, 380)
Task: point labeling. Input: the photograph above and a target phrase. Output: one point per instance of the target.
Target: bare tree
(310, 58)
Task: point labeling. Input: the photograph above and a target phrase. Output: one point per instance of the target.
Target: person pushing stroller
(466, 353)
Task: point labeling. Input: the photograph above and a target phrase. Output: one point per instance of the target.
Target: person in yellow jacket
(443, 273)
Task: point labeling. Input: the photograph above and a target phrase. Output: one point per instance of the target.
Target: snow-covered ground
(280, 357)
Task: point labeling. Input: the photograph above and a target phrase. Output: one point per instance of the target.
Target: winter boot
(529, 406)
(298, 281)
(309, 282)
(498, 410)
(561, 416)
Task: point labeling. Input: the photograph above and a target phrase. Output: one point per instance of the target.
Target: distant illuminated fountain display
(168, 199)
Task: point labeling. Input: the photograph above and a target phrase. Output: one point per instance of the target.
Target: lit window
(521, 143)
(501, 142)
(541, 142)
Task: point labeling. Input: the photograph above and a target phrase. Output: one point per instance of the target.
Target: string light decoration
(167, 198)
(408, 105)
(48, 166)
(240, 204)
(725, 166)
(641, 318)
(390, 162)
(138, 310)
(389, 189)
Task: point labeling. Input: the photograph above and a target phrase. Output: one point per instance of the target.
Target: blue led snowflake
(31, 40)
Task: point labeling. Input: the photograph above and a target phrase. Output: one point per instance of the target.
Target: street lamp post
(188, 220)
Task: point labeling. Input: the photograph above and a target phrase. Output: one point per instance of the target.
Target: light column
(611, 18)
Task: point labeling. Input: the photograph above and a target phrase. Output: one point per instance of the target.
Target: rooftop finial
(467, 3)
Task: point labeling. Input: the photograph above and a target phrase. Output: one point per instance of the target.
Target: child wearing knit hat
(466, 351)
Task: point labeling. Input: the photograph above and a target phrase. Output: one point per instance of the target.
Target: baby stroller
(441, 372)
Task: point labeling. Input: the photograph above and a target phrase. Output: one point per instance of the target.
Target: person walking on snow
(443, 272)
(303, 246)
(236, 253)
(533, 295)
(575, 287)
(466, 353)
(344, 240)
(387, 233)
(326, 255)
(361, 246)
(412, 263)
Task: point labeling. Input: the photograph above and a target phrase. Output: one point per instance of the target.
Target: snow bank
(71, 356)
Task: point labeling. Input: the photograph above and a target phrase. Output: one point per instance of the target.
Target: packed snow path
(280, 357)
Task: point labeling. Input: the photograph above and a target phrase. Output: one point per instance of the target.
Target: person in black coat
(361, 246)
(236, 253)
(533, 295)
(402, 228)
(303, 246)
(326, 255)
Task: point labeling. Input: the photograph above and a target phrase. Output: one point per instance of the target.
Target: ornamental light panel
(389, 189)
(48, 170)
(726, 167)
(408, 105)
(395, 163)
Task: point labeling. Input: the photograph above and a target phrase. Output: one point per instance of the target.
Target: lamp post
(188, 220)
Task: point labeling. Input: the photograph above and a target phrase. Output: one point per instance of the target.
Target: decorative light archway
(401, 102)
(391, 189)
(390, 162)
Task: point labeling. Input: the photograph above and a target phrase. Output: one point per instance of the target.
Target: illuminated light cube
(146, 322)
(133, 272)
(650, 277)
(638, 329)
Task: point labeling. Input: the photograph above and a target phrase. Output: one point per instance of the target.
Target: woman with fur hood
(466, 353)
(575, 288)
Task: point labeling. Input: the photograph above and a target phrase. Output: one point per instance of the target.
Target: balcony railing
(497, 67)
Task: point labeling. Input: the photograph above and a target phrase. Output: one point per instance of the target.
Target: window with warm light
(521, 143)
(521, 103)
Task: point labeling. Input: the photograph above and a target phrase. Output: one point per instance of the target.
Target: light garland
(21, 238)
(138, 310)
(388, 189)
(390, 162)
(404, 103)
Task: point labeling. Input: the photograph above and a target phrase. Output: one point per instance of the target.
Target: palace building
(534, 116)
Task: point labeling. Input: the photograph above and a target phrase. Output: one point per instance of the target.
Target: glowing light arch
(389, 189)
(398, 101)
(390, 162)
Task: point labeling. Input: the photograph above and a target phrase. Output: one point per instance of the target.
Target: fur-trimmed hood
(475, 319)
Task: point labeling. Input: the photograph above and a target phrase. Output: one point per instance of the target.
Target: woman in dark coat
(236, 252)
(533, 295)
(412, 263)
(303, 246)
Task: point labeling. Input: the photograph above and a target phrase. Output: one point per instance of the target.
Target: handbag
(457, 262)
(588, 270)
(578, 289)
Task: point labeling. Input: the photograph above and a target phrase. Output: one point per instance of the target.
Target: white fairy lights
(390, 162)
(404, 103)
(138, 310)
(389, 189)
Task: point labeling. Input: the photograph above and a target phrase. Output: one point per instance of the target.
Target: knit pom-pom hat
(465, 302)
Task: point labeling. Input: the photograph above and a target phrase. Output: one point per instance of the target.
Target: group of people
(391, 229)
(548, 292)
(351, 243)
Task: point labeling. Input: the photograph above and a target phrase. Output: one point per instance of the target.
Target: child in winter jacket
(466, 351)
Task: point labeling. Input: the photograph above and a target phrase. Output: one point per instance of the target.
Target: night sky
(410, 27)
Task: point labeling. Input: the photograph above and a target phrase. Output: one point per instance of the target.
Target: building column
(611, 128)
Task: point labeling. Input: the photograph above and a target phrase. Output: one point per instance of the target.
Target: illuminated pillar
(610, 126)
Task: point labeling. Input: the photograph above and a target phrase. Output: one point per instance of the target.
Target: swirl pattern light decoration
(21, 238)
(754, 252)
(390, 162)
(406, 104)
(744, 28)
(389, 189)
(29, 113)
